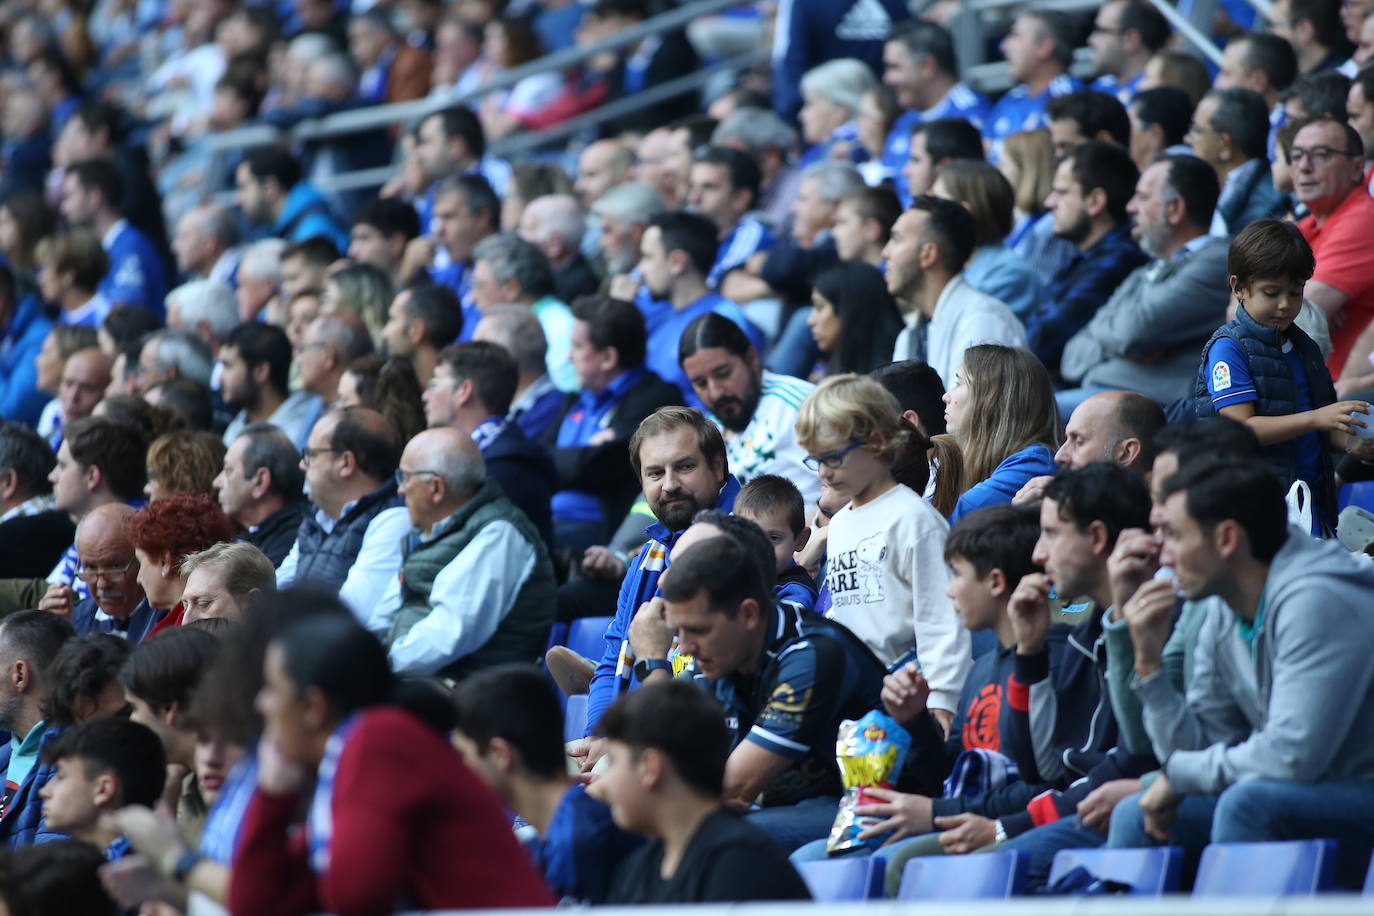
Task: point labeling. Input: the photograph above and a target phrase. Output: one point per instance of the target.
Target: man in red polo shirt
(1327, 160)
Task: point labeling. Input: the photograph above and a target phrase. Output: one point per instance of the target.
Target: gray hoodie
(1302, 709)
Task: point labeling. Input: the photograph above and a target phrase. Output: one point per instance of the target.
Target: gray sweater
(1302, 708)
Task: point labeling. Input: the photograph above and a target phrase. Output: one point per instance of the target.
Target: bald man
(556, 223)
(351, 541)
(602, 165)
(1116, 426)
(84, 380)
(109, 568)
(476, 586)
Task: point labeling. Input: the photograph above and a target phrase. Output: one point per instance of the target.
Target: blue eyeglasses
(832, 460)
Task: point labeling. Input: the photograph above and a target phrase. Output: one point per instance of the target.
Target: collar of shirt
(592, 402)
(113, 233)
(93, 306)
(34, 505)
(952, 288)
(538, 388)
(487, 431)
(28, 745)
(1191, 246)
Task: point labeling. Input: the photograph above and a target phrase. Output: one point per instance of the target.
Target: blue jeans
(791, 826)
(1265, 810)
(1042, 843)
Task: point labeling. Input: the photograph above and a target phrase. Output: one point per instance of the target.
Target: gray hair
(337, 70)
(241, 566)
(510, 257)
(311, 46)
(559, 215)
(263, 259)
(843, 81)
(268, 447)
(346, 336)
(757, 128)
(635, 202)
(459, 471)
(209, 301)
(835, 180)
(218, 223)
(517, 330)
(185, 351)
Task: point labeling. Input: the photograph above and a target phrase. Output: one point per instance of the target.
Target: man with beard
(1147, 336)
(757, 408)
(676, 254)
(110, 570)
(255, 367)
(680, 459)
(1088, 201)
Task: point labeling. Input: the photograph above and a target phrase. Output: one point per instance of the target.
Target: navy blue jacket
(23, 823)
(526, 475)
(811, 32)
(141, 621)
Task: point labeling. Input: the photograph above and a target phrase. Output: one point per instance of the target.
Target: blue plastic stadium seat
(1357, 494)
(1297, 868)
(979, 876)
(586, 636)
(838, 880)
(1150, 871)
(575, 717)
(558, 635)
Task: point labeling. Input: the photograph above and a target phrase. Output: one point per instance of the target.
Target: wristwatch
(185, 862)
(646, 666)
(1000, 834)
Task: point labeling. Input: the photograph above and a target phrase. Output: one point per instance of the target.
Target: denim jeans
(1042, 843)
(792, 826)
(1264, 810)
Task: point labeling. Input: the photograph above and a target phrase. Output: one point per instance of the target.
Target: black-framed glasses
(403, 476)
(832, 460)
(1320, 155)
(308, 454)
(112, 576)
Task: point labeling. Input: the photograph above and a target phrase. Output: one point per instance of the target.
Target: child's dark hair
(60, 877)
(517, 703)
(83, 669)
(997, 537)
(1270, 249)
(132, 752)
(771, 493)
(682, 721)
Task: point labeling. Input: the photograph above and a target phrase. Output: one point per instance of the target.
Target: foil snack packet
(870, 752)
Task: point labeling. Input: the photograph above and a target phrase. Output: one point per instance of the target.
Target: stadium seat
(1297, 868)
(839, 880)
(575, 717)
(1369, 879)
(558, 635)
(985, 876)
(1357, 494)
(1148, 871)
(586, 635)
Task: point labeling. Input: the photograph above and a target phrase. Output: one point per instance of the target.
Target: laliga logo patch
(1221, 376)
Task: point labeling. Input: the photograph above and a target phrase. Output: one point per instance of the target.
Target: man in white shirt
(930, 244)
(475, 587)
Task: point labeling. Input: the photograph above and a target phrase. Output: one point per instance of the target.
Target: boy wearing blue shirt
(775, 504)
(508, 730)
(1263, 370)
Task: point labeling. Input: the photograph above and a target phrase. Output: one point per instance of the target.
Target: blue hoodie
(23, 823)
(307, 214)
(20, 343)
(640, 584)
(1007, 478)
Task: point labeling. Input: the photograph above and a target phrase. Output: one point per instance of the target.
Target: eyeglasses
(308, 454)
(1320, 155)
(112, 576)
(832, 460)
(403, 476)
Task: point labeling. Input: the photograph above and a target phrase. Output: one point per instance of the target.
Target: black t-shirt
(726, 860)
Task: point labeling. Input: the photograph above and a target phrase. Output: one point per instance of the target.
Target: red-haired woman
(163, 532)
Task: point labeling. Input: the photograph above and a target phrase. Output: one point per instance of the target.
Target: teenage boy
(101, 766)
(775, 504)
(667, 746)
(509, 730)
(1263, 370)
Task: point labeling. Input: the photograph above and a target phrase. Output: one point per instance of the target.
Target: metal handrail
(1195, 36)
(378, 116)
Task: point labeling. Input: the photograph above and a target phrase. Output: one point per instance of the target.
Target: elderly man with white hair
(206, 244)
(507, 270)
(538, 403)
(622, 214)
(831, 94)
(556, 224)
(206, 307)
(259, 277)
(476, 586)
(772, 143)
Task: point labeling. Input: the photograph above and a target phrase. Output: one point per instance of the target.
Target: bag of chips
(870, 752)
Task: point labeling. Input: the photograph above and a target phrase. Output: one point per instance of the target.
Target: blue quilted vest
(1278, 396)
(324, 559)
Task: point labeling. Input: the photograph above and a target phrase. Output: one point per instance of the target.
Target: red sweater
(411, 823)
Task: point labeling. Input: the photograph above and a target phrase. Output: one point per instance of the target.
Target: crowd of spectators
(831, 388)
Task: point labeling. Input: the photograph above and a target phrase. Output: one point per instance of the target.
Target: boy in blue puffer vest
(1262, 370)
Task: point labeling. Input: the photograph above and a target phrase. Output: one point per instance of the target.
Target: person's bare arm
(1334, 418)
(749, 771)
(1331, 300)
(1358, 374)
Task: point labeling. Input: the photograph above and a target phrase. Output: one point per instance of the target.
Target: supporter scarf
(320, 823)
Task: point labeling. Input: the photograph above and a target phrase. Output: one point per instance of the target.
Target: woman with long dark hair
(854, 319)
